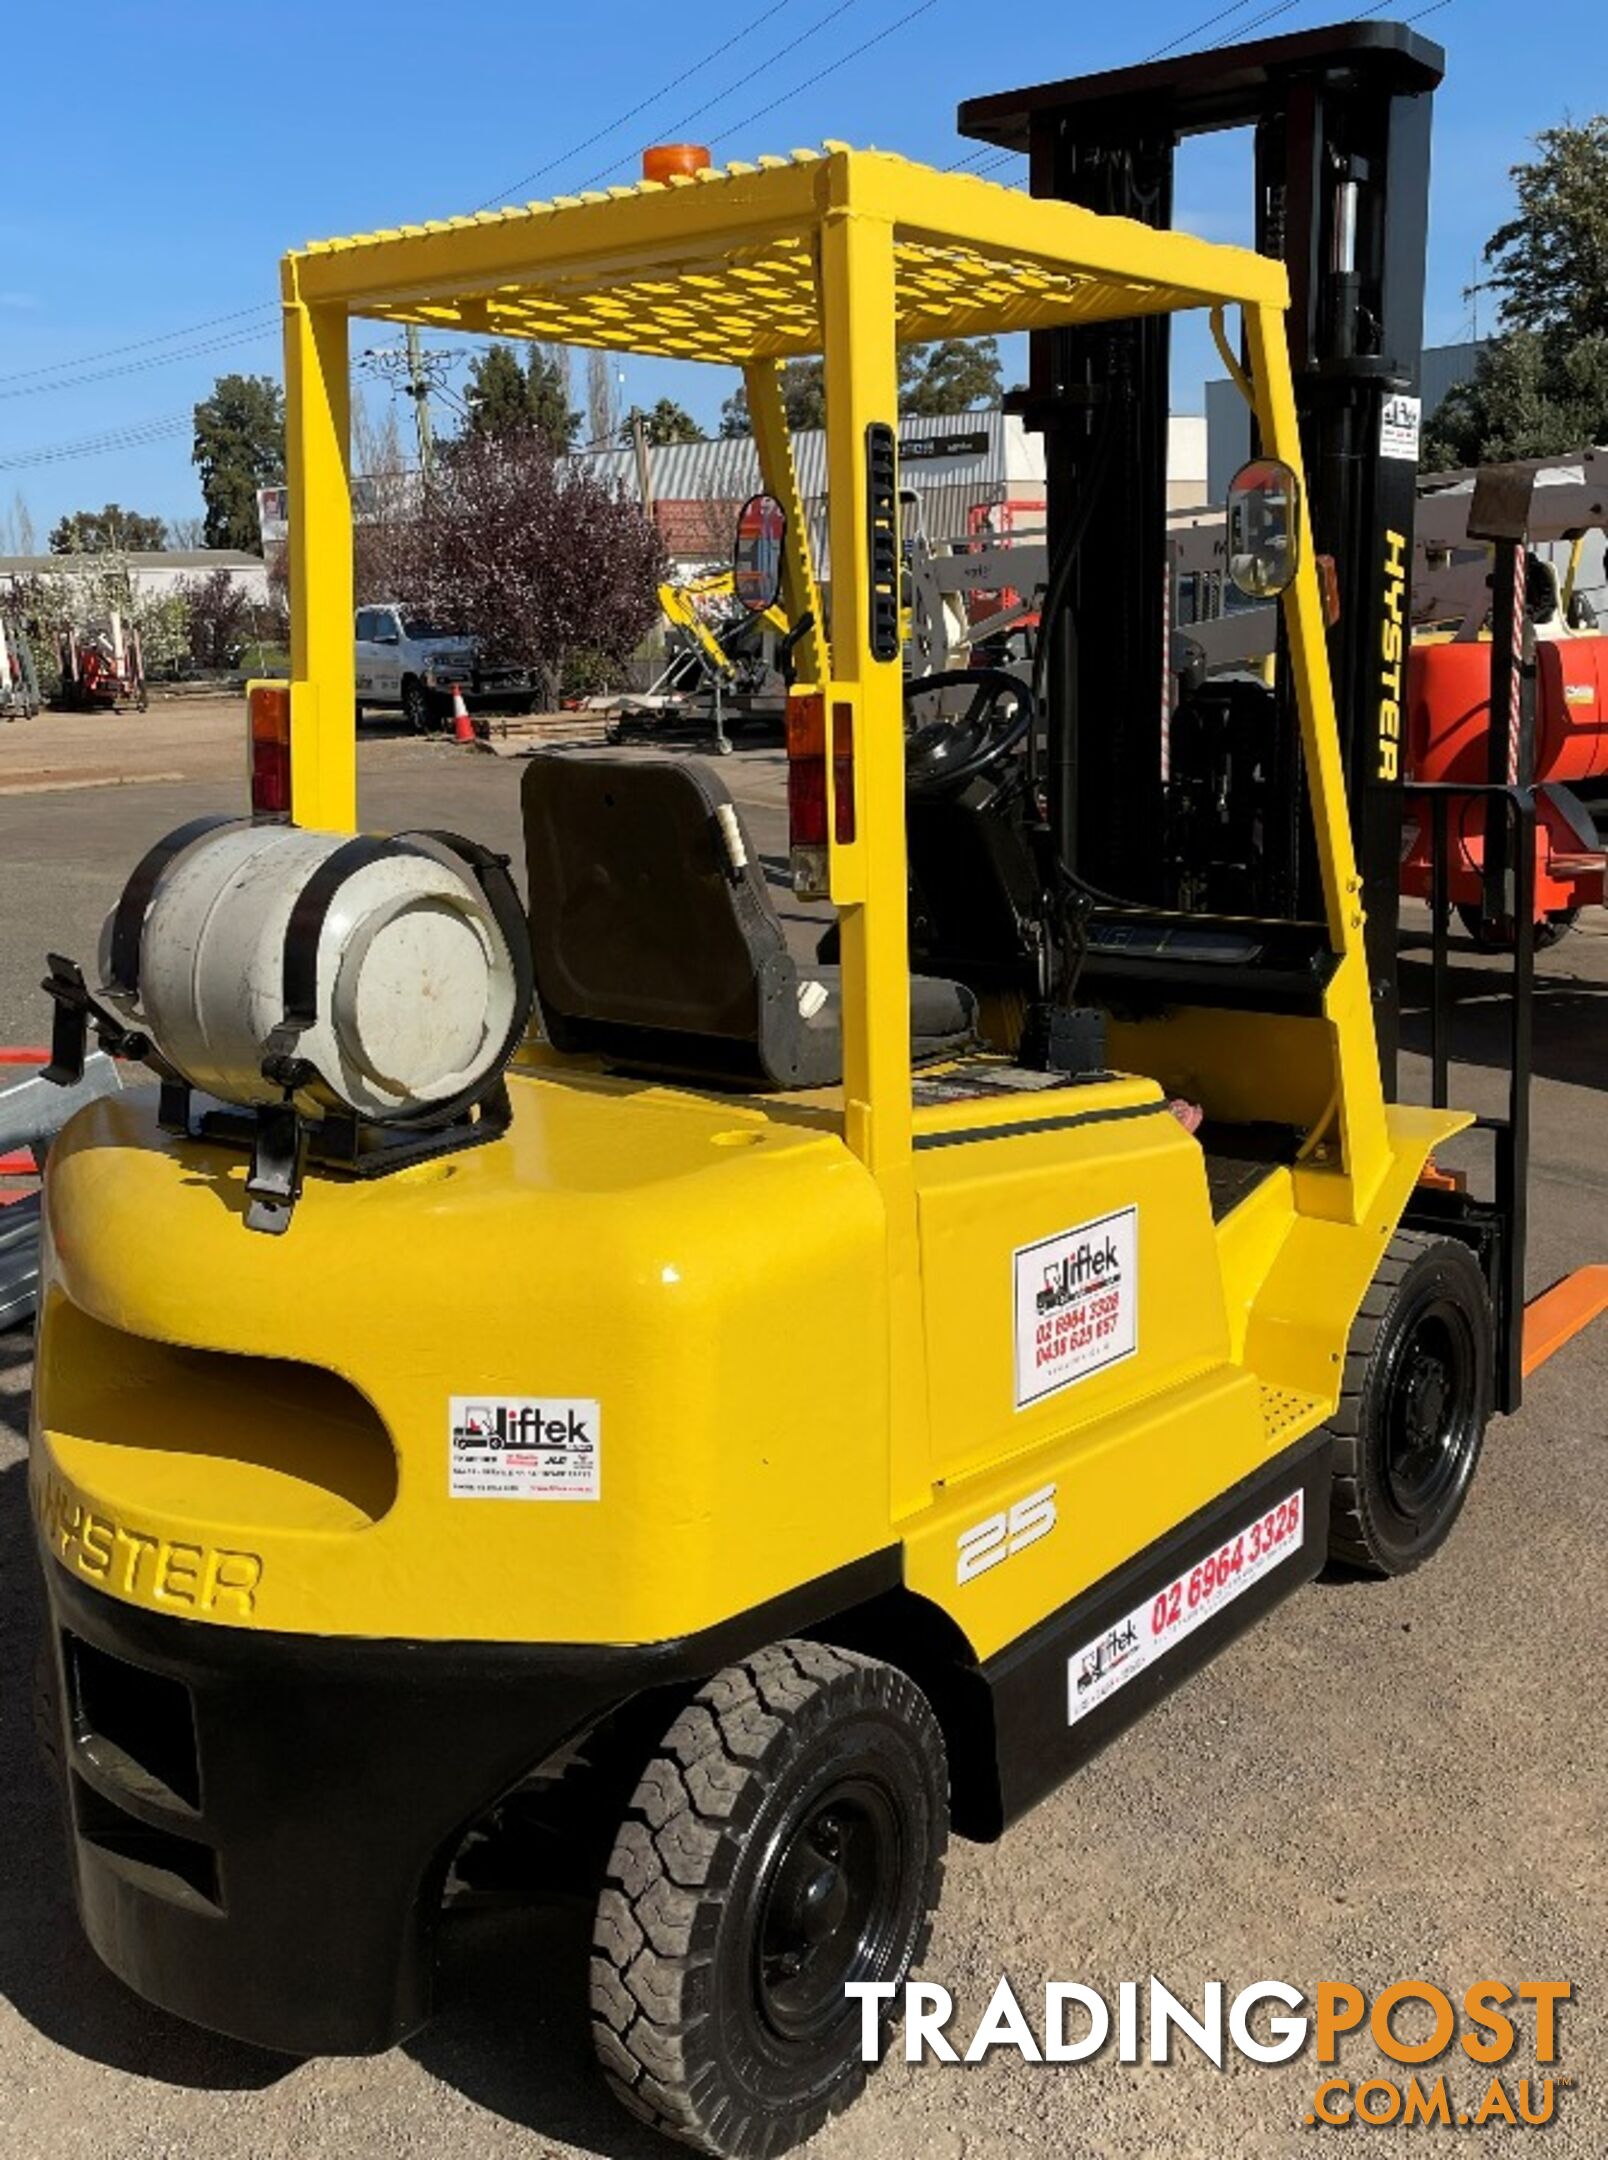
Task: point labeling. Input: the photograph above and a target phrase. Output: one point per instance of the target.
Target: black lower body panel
(1090, 1670)
(262, 1824)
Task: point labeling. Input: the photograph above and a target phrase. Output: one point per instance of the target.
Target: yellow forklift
(868, 1392)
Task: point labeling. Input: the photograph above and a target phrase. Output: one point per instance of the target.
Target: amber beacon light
(668, 161)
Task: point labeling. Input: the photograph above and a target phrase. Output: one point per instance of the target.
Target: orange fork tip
(1559, 1314)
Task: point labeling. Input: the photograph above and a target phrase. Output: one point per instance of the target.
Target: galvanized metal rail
(32, 1111)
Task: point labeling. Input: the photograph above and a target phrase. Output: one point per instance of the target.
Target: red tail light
(806, 785)
(268, 748)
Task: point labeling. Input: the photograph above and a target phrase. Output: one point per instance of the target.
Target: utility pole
(639, 439)
(420, 391)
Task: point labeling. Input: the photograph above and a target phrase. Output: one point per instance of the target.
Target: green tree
(1533, 395)
(113, 530)
(1550, 261)
(239, 447)
(547, 384)
(668, 422)
(495, 398)
(803, 399)
(1541, 387)
(504, 396)
(952, 376)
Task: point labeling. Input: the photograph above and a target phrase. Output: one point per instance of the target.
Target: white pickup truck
(407, 663)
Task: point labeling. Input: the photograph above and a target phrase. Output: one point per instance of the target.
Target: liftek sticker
(1077, 1304)
(1100, 1668)
(1399, 419)
(524, 1447)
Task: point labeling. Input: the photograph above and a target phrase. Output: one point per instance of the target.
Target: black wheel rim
(829, 1907)
(1430, 1410)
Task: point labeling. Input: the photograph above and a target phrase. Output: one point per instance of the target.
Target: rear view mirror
(1263, 543)
(756, 556)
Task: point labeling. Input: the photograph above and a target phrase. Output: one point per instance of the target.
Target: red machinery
(102, 667)
(1523, 707)
(1447, 740)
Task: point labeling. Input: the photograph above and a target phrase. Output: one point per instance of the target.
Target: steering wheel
(949, 749)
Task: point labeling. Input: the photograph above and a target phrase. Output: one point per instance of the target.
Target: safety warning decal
(1077, 1304)
(524, 1447)
(1094, 1673)
(1399, 419)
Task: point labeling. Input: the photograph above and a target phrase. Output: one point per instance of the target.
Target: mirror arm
(1229, 358)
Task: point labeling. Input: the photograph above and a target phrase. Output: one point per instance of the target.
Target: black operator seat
(656, 945)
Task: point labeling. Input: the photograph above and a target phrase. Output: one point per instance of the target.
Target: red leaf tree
(548, 568)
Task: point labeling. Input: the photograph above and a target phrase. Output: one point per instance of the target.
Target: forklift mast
(1342, 126)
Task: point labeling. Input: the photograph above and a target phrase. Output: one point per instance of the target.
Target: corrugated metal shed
(955, 463)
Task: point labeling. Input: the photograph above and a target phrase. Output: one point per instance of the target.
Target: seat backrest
(655, 943)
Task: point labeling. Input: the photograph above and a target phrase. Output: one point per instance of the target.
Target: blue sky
(221, 136)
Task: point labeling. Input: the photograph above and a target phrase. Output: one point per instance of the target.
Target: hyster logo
(1391, 645)
(1066, 1278)
(526, 1427)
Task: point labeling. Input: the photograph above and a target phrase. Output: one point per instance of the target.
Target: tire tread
(660, 1909)
(1350, 1539)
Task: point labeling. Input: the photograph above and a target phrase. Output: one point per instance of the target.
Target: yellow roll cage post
(846, 254)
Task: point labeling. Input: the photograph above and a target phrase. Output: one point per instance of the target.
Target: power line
(614, 126)
(113, 352)
(810, 81)
(1255, 22)
(1184, 37)
(993, 164)
(214, 322)
(83, 372)
(133, 437)
(731, 89)
(139, 434)
(140, 367)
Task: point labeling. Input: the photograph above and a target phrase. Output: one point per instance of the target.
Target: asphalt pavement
(1383, 1782)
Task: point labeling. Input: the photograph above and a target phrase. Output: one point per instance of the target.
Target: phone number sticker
(1100, 1668)
(1076, 1299)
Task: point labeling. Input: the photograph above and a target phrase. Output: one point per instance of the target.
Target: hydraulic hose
(1056, 594)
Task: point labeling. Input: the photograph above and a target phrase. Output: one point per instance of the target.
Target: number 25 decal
(1002, 1536)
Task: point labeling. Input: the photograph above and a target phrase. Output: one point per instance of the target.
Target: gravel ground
(1382, 1783)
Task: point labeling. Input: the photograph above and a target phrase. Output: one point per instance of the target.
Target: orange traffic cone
(463, 728)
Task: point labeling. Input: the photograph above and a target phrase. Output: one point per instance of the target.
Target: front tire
(787, 1838)
(1414, 1405)
(416, 705)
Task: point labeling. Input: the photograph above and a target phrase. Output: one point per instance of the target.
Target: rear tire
(788, 1837)
(1414, 1405)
